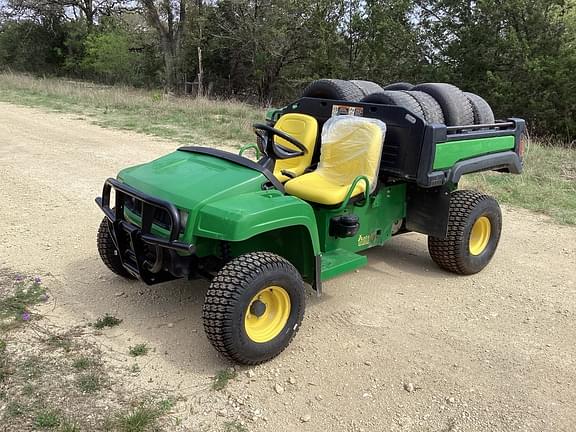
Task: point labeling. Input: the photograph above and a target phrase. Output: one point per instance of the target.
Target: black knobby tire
(455, 105)
(399, 86)
(399, 98)
(453, 252)
(333, 89)
(228, 299)
(483, 113)
(432, 109)
(367, 87)
(108, 251)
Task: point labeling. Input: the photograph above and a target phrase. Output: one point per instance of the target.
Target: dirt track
(491, 352)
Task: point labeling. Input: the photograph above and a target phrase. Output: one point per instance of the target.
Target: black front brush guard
(130, 239)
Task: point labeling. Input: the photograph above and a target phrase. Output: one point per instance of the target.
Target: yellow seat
(305, 129)
(351, 147)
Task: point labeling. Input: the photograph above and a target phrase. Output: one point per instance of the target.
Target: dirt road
(491, 352)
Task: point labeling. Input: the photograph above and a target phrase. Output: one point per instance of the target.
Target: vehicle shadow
(406, 253)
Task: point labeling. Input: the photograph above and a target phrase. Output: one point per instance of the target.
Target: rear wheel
(474, 227)
(254, 307)
(108, 252)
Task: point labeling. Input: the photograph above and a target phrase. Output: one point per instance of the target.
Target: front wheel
(474, 227)
(254, 307)
(108, 252)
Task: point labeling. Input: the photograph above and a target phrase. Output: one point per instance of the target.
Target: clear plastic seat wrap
(351, 147)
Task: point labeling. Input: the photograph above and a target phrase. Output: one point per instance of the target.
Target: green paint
(376, 218)
(225, 202)
(448, 153)
(339, 261)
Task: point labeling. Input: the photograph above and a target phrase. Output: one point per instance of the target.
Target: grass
(140, 419)
(14, 308)
(69, 426)
(90, 382)
(186, 120)
(106, 321)
(139, 350)
(31, 368)
(234, 426)
(222, 378)
(83, 363)
(48, 419)
(61, 342)
(15, 409)
(548, 184)
(63, 375)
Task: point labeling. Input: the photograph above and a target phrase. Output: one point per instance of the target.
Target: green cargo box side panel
(448, 153)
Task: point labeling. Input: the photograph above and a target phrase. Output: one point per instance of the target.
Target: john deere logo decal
(365, 240)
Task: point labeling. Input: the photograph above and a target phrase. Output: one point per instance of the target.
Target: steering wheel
(275, 150)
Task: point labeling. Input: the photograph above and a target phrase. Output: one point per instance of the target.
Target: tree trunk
(200, 73)
(170, 33)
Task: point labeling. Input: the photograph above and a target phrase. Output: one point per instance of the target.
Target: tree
(168, 18)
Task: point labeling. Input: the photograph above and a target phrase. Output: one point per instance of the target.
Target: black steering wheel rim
(275, 149)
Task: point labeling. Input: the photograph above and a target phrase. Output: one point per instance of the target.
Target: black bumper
(151, 258)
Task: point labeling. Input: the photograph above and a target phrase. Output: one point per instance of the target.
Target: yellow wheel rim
(267, 314)
(480, 235)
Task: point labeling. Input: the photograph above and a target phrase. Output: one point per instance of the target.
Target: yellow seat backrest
(305, 129)
(350, 147)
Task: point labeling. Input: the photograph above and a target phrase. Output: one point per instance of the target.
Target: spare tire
(399, 86)
(455, 105)
(483, 114)
(367, 87)
(399, 98)
(432, 109)
(333, 89)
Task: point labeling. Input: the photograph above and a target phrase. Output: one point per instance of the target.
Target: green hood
(190, 180)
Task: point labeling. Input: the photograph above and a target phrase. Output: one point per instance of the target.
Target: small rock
(292, 380)
(119, 294)
(409, 387)
(451, 400)
(170, 325)
(222, 413)
(279, 389)
(305, 418)
(368, 363)
(250, 373)
(319, 398)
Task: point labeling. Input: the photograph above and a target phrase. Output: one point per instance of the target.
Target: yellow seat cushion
(351, 147)
(305, 129)
(319, 189)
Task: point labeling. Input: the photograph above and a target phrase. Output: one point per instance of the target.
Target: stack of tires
(434, 102)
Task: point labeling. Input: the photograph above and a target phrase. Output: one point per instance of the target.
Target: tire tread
(445, 251)
(224, 293)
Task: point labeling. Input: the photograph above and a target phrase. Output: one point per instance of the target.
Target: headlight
(183, 219)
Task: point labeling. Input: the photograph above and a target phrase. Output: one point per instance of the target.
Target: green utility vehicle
(332, 179)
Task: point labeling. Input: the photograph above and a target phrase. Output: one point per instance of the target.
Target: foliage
(519, 54)
(138, 350)
(222, 378)
(106, 321)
